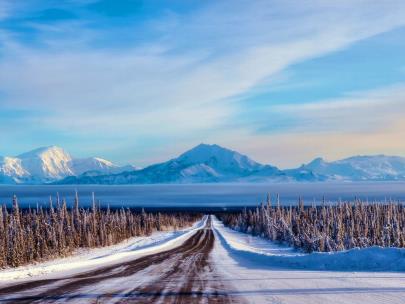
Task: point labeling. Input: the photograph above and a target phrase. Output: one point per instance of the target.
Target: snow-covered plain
(263, 272)
(89, 259)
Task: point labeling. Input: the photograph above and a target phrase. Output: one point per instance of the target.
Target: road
(180, 275)
(213, 265)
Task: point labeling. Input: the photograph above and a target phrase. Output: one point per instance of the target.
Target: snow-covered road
(179, 274)
(209, 263)
(90, 259)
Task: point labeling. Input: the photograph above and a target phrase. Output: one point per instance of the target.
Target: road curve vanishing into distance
(180, 275)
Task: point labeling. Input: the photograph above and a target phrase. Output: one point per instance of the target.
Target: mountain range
(202, 164)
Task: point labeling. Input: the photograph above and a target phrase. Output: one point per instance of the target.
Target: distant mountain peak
(208, 149)
(44, 150)
(367, 157)
(317, 161)
(52, 163)
(204, 145)
(104, 161)
(218, 157)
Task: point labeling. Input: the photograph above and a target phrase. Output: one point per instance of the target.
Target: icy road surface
(209, 263)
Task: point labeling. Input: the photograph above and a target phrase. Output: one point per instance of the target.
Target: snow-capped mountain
(97, 166)
(218, 158)
(49, 164)
(356, 168)
(202, 164)
(11, 170)
(212, 163)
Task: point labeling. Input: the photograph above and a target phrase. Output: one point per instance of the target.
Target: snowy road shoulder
(268, 254)
(262, 272)
(89, 259)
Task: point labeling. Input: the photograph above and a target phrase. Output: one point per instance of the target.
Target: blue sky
(141, 81)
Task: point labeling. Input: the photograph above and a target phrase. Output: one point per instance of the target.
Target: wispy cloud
(361, 123)
(358, 111)
(289, 150)
(183, 78)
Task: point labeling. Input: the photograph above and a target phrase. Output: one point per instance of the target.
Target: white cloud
(185, 80)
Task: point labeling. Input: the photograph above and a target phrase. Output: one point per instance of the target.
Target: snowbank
(89, 259)
(261, 253)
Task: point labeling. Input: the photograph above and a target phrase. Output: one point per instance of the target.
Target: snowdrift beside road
(256, 252)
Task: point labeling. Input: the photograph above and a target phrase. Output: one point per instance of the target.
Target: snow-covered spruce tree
(38, 234)
(339, 226)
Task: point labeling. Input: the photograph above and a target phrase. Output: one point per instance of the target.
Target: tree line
(324, 228)
(33, 235)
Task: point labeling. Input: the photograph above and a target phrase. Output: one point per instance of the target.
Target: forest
(324, 228)
(33, 235)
